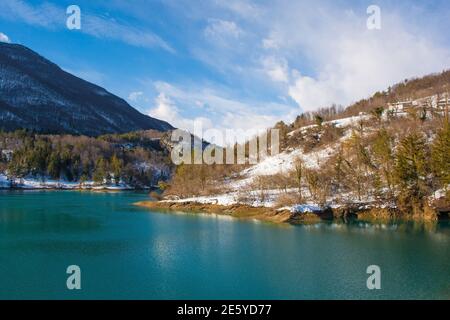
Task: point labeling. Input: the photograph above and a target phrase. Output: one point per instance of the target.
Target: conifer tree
(339, 172)
(382, 151)
(440, 155)
(54, 165)
(411, 171)
(100, 171)
(377, 113)
(318, 120)
(116, 167)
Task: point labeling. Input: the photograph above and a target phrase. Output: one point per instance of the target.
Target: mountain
(38, 95)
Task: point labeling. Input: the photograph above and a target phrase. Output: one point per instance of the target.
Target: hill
(37, 95)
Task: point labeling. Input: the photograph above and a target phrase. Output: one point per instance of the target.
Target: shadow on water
(441, 227)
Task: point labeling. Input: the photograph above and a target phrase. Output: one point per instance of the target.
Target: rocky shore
(284, 215)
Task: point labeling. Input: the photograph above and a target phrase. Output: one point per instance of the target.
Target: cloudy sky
(235, 64)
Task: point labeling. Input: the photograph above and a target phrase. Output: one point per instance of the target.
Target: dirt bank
(273, 215)
(238, 210)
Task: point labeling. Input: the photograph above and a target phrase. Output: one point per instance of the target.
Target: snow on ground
(302, 129)
(282, 163)
(350, 121)
(232, 198)
(271, 165)
(220, 199)
(339, 123)
(4, 183)
(269, 201)
(440, 193)
(306, 208)
(34, 183)
(285, 161)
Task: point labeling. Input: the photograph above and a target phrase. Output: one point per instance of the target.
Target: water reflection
(441, 228)
(129, 252)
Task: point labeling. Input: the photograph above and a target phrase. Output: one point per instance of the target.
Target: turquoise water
(126, 252)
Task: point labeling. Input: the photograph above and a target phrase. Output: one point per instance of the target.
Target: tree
(312, 180)
(54, 165)
(377, 113)
(318, 120)
(83, 179)
(382, 154)
(66, 163)
(162, 185)
(440, 155)
(411, 171)
(116, 167)
(339, 172)
(100, 171)
(361, 162)
(298, 170)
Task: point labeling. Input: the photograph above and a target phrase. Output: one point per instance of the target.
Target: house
(7, 154)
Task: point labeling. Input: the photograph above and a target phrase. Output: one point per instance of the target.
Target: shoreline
(236, 211)
(33, 183)
(69, 189)
(280, 216)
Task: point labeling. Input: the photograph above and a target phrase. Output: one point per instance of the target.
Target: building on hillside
(443, 104)
(7, 155)
(400, 107)
(430, 105)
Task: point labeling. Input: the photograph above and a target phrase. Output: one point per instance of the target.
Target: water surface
(126, 252)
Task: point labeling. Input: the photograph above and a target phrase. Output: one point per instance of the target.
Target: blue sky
(235, 64)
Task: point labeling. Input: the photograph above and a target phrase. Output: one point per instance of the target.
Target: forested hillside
(390, 152)
(136, 159)
(37, 95)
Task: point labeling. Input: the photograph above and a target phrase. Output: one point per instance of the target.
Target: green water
(126, 252)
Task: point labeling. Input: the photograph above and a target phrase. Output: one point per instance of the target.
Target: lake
(127, 252)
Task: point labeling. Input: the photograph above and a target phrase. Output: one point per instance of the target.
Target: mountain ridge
(60, 102)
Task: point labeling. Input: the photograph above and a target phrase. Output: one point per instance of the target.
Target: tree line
(108, 159)
(397, 162)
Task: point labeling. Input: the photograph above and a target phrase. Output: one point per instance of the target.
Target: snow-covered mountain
(36, 94)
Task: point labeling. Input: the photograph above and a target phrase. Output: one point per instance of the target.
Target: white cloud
(244, 8)
(276, 68)
(218, 29)
(269, 43)
(312, 94)
(324, 54)
(214, 109)
(165, 109)
(109, 28)
(44, 15)
(358, 62)
(4, 38)
(51, 16)
(134, 96)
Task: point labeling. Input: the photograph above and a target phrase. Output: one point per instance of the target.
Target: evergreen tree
(411, 171)
(440, 155)
(382, 151)
(54, 165)
(360, 164)
(318, 120)
(116, 167)
(339, 173)
(377, 113)
(100, 171)
(83, 179)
